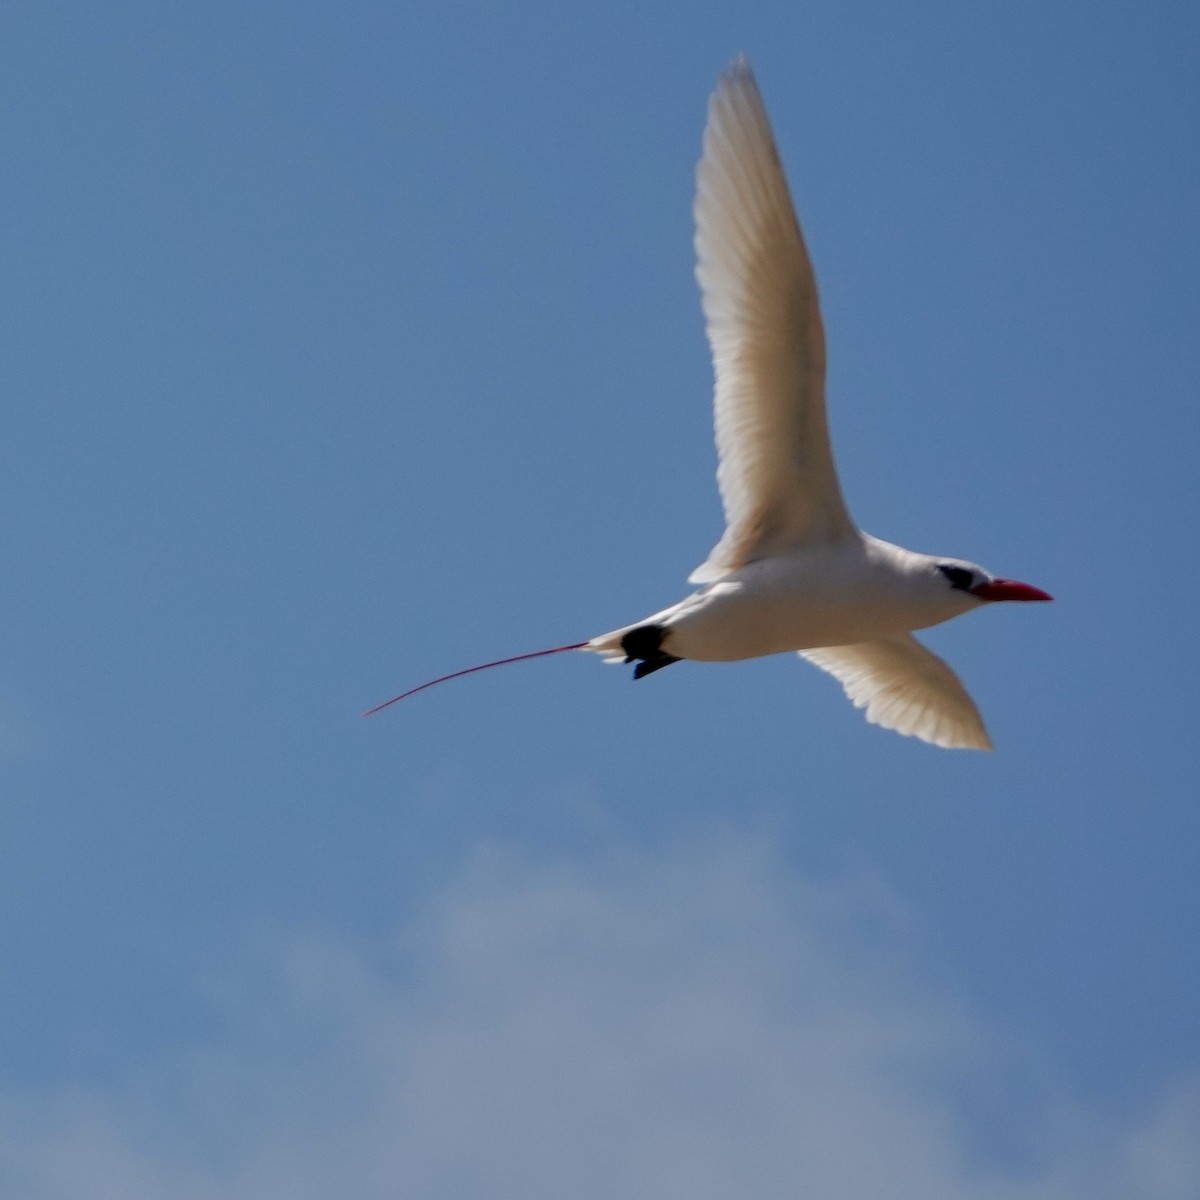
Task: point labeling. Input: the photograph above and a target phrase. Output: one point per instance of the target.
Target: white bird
(792, 571)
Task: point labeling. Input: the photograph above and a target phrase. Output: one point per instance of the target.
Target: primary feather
(776, 474)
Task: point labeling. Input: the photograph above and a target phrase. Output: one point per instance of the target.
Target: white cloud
(688, 1024)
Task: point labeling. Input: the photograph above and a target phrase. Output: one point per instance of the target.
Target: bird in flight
(792, 571)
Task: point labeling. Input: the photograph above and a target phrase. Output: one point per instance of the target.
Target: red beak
(1008, 589)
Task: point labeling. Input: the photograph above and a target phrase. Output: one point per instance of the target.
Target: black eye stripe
(959, 577)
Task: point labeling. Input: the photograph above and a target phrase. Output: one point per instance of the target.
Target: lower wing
(903, 686)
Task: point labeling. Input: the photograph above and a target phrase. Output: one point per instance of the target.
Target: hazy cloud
(694, 1023)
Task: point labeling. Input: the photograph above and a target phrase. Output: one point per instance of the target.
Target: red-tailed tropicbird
(792, 571)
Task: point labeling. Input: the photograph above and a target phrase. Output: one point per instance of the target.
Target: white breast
(827, 596)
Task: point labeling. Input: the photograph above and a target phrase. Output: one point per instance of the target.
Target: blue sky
(350, 344)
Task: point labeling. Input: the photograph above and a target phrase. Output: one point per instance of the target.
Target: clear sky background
(347, 344)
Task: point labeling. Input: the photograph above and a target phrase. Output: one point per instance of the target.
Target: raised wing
(907, 688)
(775, 474)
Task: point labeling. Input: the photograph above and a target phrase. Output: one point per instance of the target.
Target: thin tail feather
(500, 662)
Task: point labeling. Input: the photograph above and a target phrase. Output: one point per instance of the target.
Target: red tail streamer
(500, 662)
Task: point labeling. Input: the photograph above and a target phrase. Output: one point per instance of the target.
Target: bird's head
(974, 581)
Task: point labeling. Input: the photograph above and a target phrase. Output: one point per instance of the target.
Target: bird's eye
(959, 577)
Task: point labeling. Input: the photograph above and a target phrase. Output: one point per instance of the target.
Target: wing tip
(738, 76)
(971, 740)
(967, 738)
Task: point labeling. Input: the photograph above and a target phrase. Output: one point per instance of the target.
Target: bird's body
(830, 594)
(792, 571)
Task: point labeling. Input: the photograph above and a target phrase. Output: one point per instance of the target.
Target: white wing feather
(907, 688)
(776, 474)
